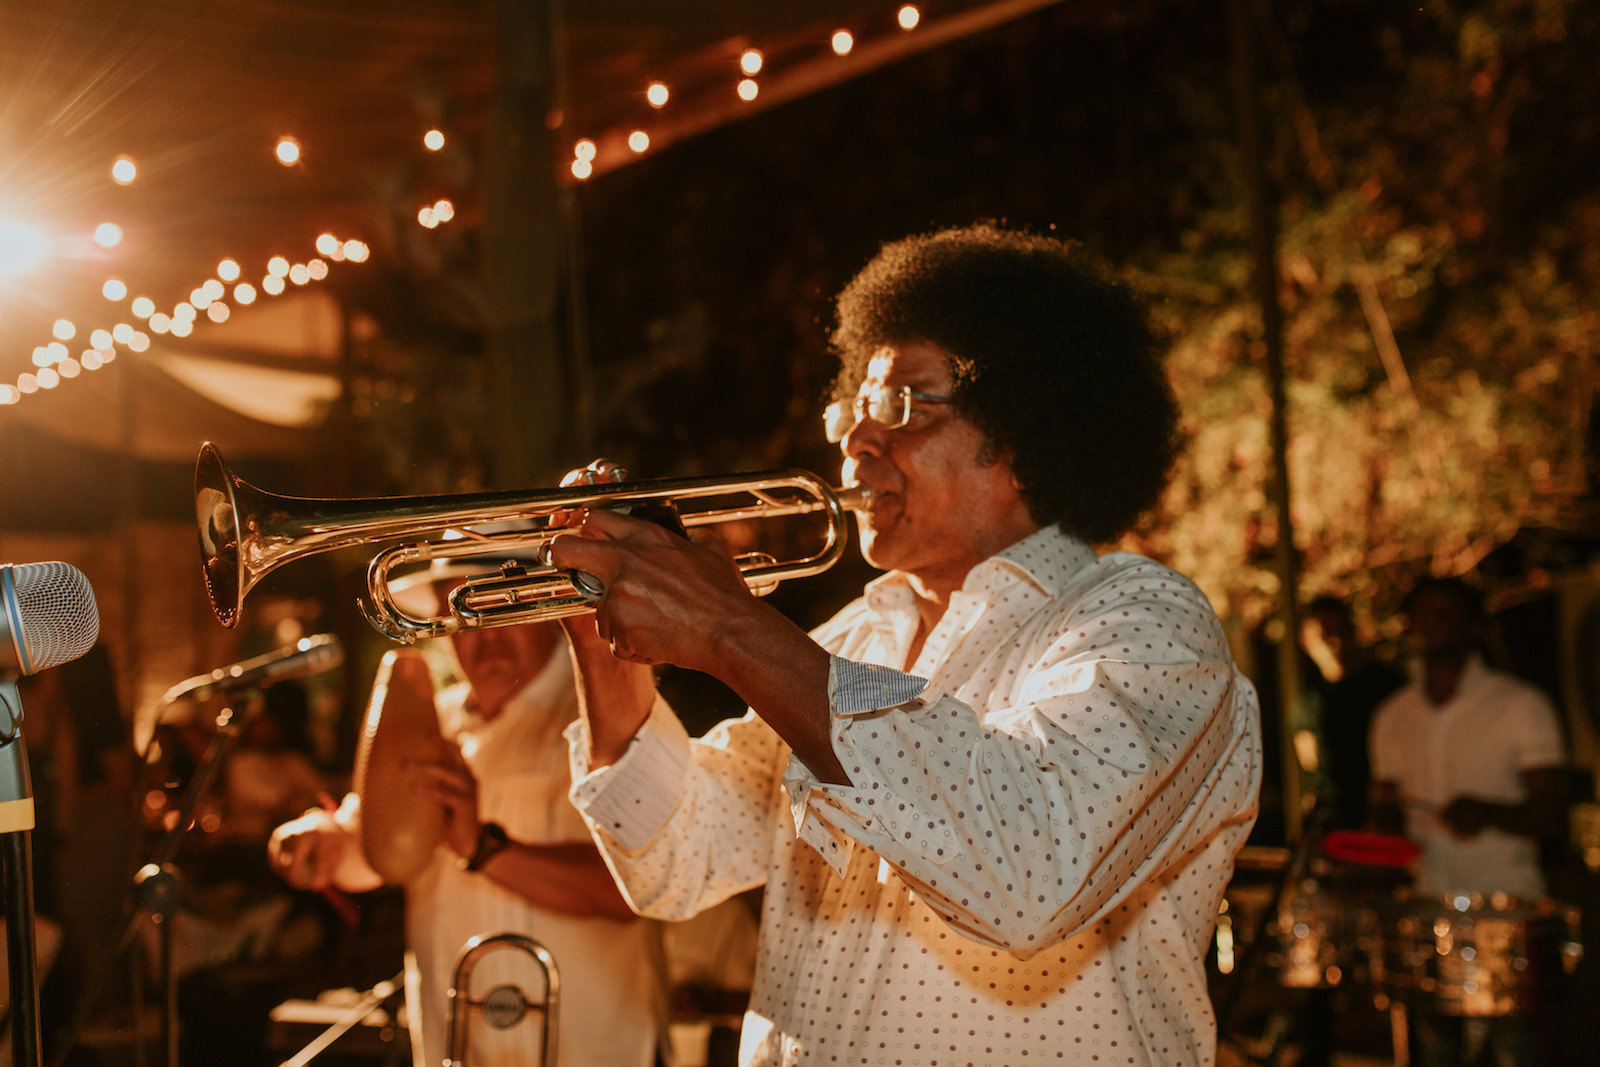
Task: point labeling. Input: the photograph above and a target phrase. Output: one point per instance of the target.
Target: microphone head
(48, 612)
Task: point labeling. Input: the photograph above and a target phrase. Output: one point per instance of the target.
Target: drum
(1315, 937)
(1475, 958)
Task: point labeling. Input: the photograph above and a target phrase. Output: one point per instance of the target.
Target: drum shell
(399, 829)
(1474, 961)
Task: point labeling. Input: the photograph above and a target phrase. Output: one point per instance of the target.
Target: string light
(114, 289)
(108, 235)
(842, 42)
(288, 151)
(657, 94)
(748, 89)
(581, 169)
(909, 16)
(124, 170)
(228, 270)
(638, 140)
(63, 330)
(142, 307)
(244, 293)
(433, 140)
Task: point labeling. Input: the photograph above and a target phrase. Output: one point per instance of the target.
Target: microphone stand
(156, 893)
(16, 825)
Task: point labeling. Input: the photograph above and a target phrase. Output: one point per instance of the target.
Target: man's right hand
(306, 852)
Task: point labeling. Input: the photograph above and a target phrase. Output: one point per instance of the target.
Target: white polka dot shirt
(1043, 814)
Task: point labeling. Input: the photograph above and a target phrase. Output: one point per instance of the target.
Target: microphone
(47, 616)
(309, 655)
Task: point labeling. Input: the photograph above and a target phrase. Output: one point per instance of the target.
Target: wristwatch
(492, 838)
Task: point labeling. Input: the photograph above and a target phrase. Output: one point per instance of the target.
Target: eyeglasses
(889, 408)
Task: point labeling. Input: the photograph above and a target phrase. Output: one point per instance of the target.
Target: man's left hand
(1467, 816)
(446, 779)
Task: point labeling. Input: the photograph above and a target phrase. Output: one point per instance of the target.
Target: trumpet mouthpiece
(856, 497)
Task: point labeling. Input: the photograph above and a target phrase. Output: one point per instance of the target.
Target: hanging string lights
(751, 63)
(23, 247)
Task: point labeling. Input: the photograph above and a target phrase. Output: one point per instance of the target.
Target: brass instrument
(503, 1006)
(245, 533)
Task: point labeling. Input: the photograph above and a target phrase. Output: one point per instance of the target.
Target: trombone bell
(246, 533)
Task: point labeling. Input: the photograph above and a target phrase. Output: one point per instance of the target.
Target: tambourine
(399, 829)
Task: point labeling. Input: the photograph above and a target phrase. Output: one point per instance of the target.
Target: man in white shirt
(1467, 761)
(516, 857)
(995, 801)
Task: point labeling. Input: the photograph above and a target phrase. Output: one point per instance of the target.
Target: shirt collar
(1047, 559)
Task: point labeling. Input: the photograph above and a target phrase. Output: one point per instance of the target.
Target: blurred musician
(516, 857)
(1466, 759)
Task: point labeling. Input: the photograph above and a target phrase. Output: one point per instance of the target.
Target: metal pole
(1263, 247)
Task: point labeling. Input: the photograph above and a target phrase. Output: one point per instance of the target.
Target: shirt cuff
(857, 688)
(632, 799)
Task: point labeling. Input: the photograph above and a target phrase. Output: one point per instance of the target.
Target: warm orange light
(180, 329)
(142, 307)
(124, 170)
(100, 339)
(433, 140)
(427, 217)
(63, 330)
(327, 244)
(244, 293)
(748, 89)
(657, 94)
(9, 394)
(842, 42)
(122, 332)
(184, 312)
(272, 284)
(581, 169)
(750, 62)
(318, 269)
(444, 210)
(213, 289)
(27, 383)
(114, 289)
(48, 378)
(69, 368)
(42, 356)
(288, 151)
(160, 322)
(298, 274)
(58, 352)
(199, 299)
(140, 342)
(584, 150)
(228, 271)
(356, 251)
(91, 360)
(277, 266)
(218, 312)
(638, 140)
(108, 235)
(909, 17)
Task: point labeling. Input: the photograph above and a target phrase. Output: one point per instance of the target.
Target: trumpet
(503, 1006)
(246, 533)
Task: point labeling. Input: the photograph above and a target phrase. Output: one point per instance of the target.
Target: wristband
(492, 838)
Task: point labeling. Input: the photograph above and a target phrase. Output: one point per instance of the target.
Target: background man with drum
(516, 857)
(1467, 760)
(995, 800)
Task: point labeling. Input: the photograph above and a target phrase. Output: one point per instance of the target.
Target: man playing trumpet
(994, 802)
